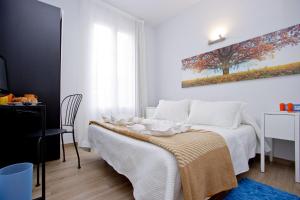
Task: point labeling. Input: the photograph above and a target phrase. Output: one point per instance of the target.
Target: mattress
(152, 170)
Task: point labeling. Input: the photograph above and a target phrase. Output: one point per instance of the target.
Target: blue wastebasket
(16, 182)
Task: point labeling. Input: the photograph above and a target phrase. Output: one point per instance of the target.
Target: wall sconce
(220, 39)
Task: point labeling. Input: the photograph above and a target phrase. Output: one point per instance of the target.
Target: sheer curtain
(113, 77)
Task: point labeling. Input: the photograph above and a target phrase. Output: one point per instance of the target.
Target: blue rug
(253, 190)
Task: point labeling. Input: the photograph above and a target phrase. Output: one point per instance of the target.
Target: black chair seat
(48, 132)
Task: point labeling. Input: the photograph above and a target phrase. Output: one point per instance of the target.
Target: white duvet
(152, 170)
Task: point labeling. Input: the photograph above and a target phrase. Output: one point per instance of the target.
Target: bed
(152, 170)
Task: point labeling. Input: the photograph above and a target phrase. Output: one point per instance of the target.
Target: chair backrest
(69, 108)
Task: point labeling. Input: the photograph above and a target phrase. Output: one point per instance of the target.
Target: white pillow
(177, 111)
(224, 114)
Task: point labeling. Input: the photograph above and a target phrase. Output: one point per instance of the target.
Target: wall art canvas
(271, 55)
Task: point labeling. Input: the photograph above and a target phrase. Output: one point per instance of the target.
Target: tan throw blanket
(203, 158)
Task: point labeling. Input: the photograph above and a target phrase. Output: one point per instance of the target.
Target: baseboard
(275, 159)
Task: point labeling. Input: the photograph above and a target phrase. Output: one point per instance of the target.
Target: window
(114, 71)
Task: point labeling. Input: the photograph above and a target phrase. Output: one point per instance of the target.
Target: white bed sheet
(152, 170)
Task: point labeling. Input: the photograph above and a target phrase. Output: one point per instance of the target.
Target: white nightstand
(284, 126)
(150, 112)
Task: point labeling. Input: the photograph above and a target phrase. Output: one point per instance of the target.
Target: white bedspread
(152, 170)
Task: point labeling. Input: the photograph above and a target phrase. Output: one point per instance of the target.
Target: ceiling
(152, 11)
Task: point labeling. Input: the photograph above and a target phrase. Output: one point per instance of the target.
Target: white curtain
(113, 77)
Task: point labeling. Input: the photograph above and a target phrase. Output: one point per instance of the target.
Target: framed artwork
(271, 55)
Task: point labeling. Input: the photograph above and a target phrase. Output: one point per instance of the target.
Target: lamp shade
(16, 182)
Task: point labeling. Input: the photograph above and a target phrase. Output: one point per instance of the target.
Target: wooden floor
(97, 180)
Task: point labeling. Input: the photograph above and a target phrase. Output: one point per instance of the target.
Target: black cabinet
(30, 41)
(19, 127)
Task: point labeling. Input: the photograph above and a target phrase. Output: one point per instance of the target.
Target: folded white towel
(148, 126)
(120, 120)
(159, 127)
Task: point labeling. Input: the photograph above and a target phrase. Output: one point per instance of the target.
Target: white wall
(187, 34)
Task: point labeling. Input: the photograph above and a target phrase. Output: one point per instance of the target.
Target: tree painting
(235, 56)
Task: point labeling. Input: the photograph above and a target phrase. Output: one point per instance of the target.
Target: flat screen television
(3, 77)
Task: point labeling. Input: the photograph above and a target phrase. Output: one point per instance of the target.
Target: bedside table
(149, 112)
(284, 126)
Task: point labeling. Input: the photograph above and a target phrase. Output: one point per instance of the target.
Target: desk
(41, 108)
